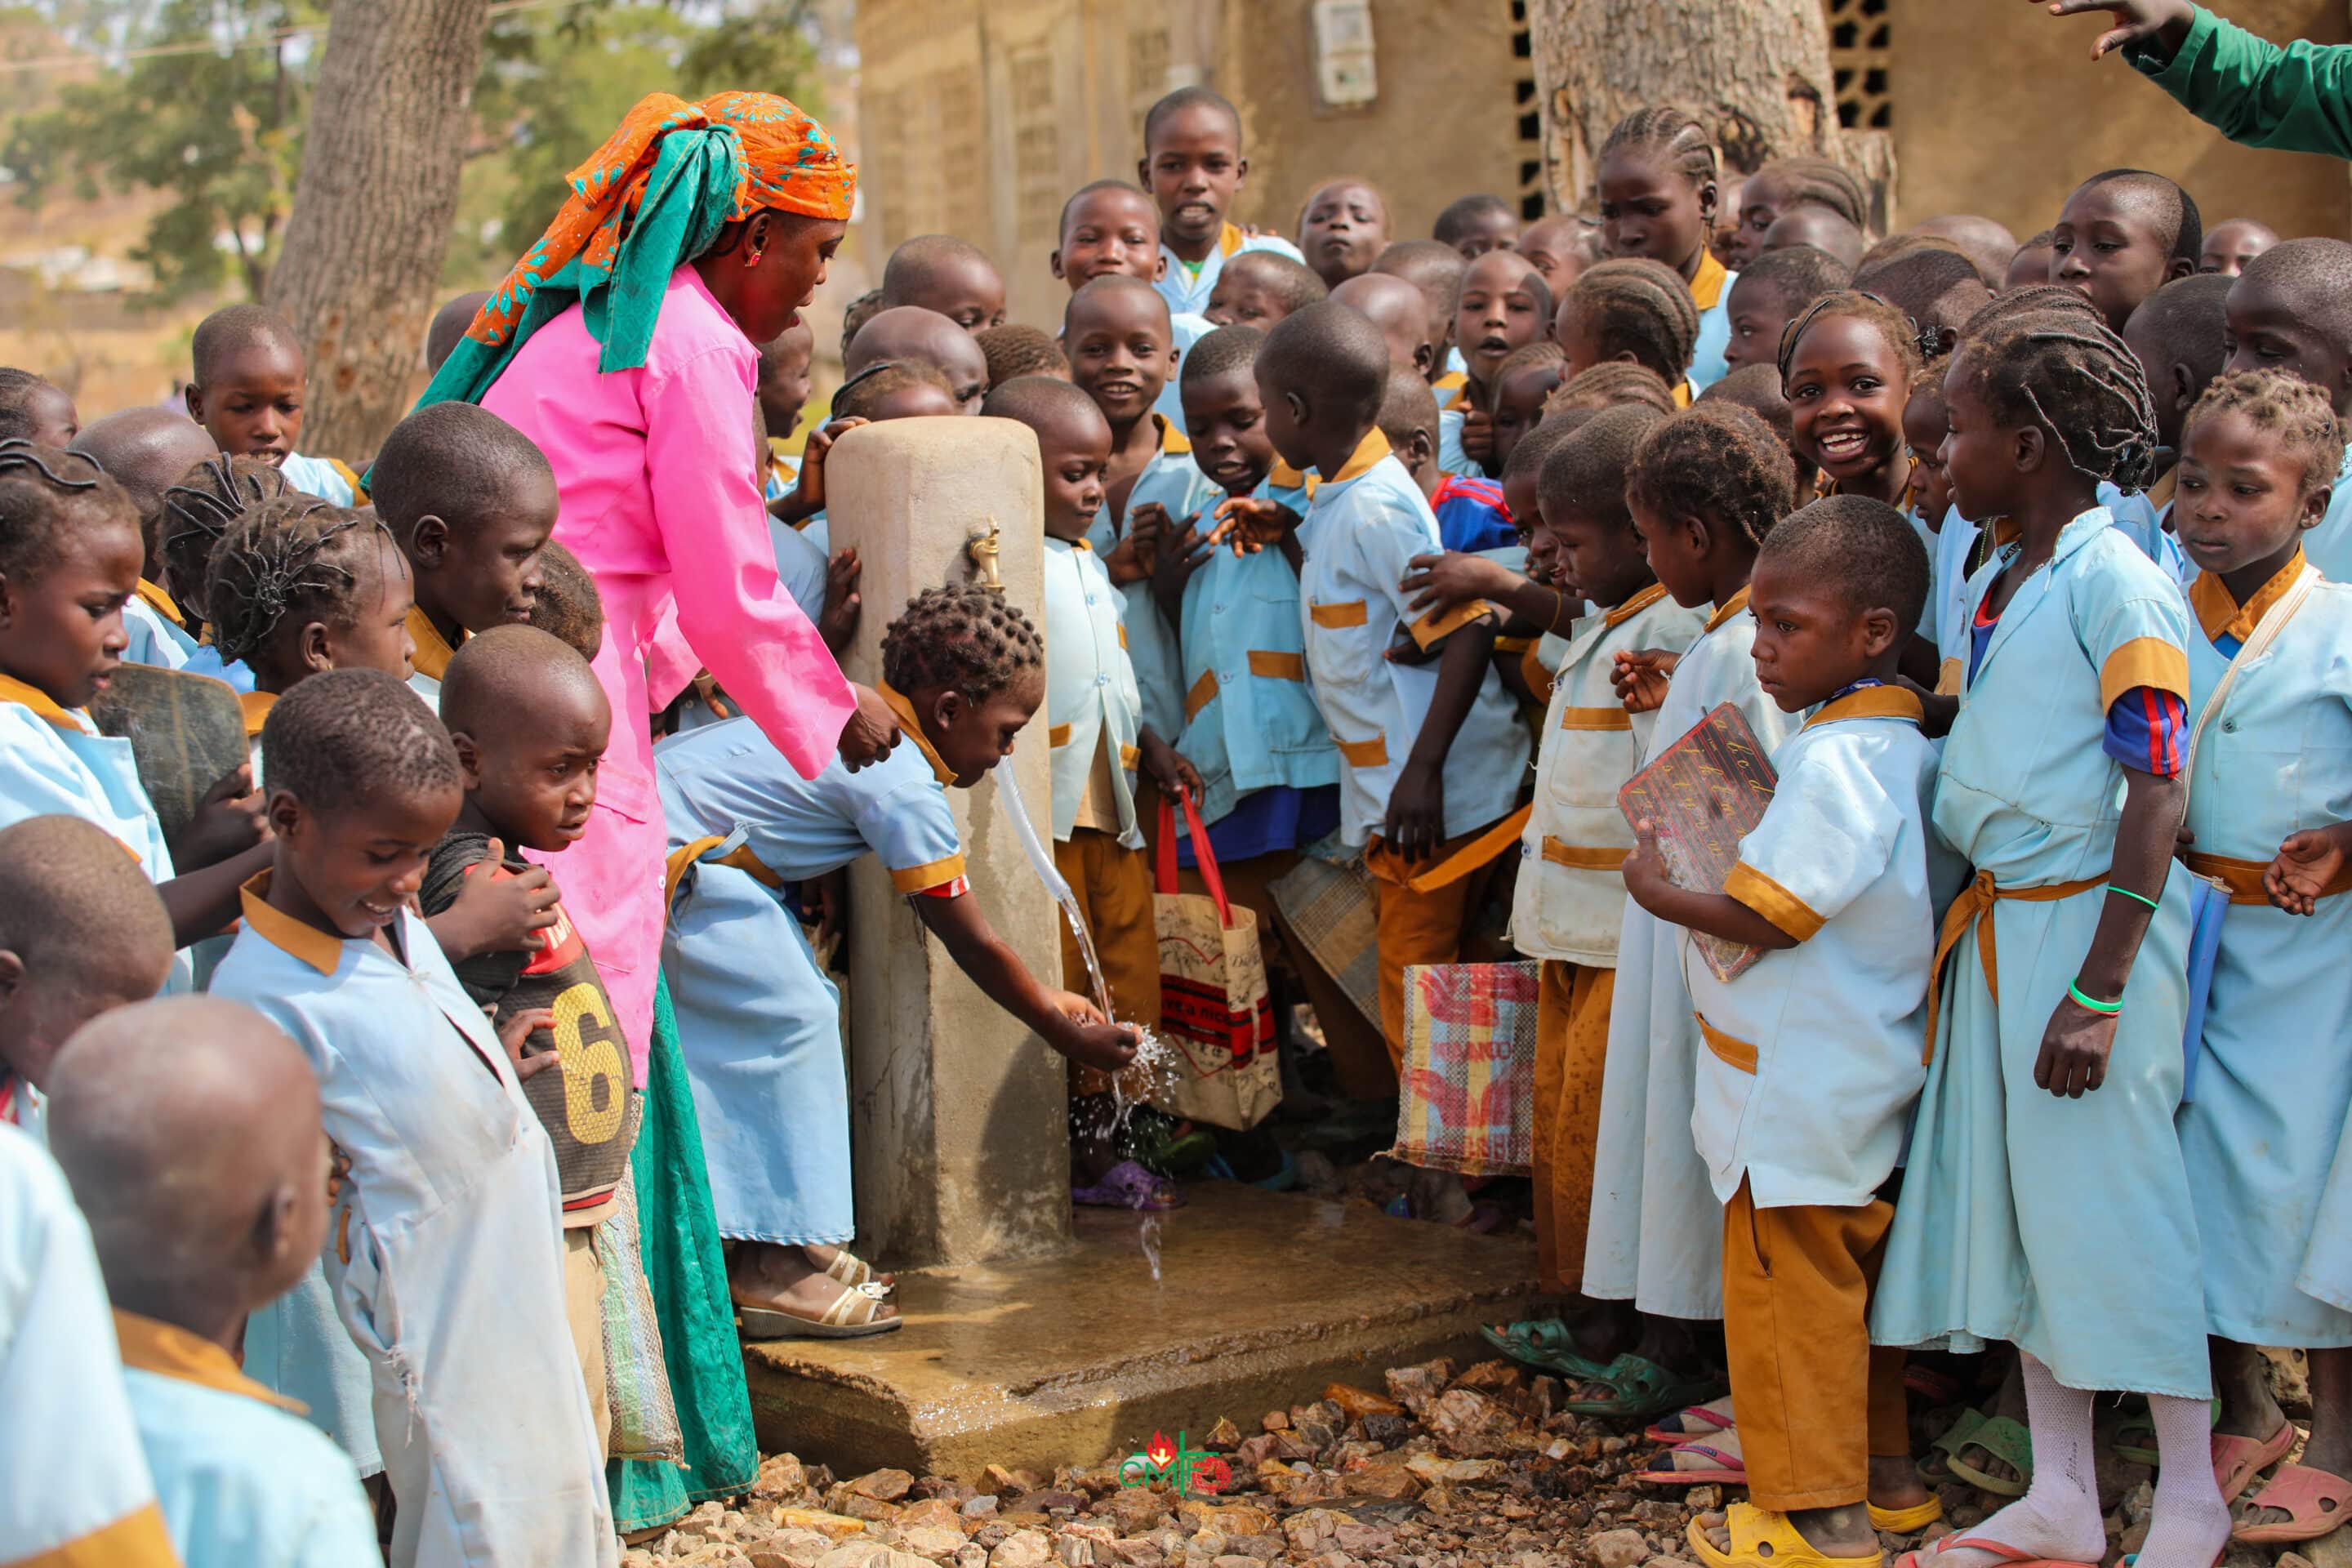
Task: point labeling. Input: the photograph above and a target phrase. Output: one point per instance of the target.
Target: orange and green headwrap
(653, 197)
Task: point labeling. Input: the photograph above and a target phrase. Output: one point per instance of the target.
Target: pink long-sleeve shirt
(662, 504)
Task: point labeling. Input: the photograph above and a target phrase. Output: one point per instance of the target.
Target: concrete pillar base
(1262, 1297)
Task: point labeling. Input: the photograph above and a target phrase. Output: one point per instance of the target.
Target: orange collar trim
(913, 728)
(1729, 608)
(168, 1351)
(1230, 238)
(1283, 477)
(2222, 616)
(1173, 441)
(255, 705)
(42, 704)
(153, 596)
(1619, 613)
(1872, 703)
(283, 932)
(1685, 395)
(1706, 288)
(1368, 454)
(433, 655)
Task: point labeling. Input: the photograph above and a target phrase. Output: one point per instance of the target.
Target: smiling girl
(1845, 368)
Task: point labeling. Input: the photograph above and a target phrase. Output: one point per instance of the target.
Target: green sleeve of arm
(2297, 98)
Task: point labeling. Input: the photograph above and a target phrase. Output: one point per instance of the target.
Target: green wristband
(2140, 897)
(2074, 990)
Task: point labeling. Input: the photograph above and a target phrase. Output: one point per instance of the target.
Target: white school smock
(1250, 720)
(244, 1481)
(1173, 480)
(1656, 1233)
(2273, 1092)
(1364, 524)
(758, 1020)
(2328, 546)
(1570, 901)
(1090, 696)
(1812, 1064)
(2141, 516)
(2021, 1210)
(445, 1250)
(1187, 291)
(322, 477)
(74, 1484)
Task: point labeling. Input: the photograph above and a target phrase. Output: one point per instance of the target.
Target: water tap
(984, 549)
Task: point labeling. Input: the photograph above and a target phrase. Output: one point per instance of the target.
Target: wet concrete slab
(1241, 1302)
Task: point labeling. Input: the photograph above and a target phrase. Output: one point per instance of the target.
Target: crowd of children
(1410, 554)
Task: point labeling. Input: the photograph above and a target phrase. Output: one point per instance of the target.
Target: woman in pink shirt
(622, 343)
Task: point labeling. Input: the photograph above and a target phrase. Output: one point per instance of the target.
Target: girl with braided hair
(1658, 199)
(1846, 364)
(758, 1024)
(196, 513)
(1633, 312)
(1784, 184)
(2046, 1202)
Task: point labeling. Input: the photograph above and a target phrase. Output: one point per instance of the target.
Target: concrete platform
(1241, 1302)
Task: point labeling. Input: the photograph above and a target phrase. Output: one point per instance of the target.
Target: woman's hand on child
(2074, 1046)
(1442, 582)
(2307, 863)
(1640, 677)
(2135, 20)
(836, 623)
(1416, 820)
(496, 914)
(229, 821)
(871, 732)
(1250, 523)
(518, 1028)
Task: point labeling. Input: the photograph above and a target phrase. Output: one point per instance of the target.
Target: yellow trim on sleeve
(1440, 623)
(284, 932)
(135, 1541)
(2144, 661)
(1203, 692)
(1729, 608)
(1732, 1053)
(1706, 288)
(930, 874)
(1335, 617)
(1128, 756)
(1369, 452)
(153, 596)
(1595, 719)
(433, 655)
(1582, 857)
(1759, 892)
(1371, 753)
(45, 706)
(168, 1351)
(1057, 735)
(1949, 677)
(255, 705)
(1122, 634)
(1271, 665)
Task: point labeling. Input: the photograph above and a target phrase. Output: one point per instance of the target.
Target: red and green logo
(1187, 1470)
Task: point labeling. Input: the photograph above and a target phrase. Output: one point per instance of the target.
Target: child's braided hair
(296, 558)
(965, 638)
(1543, 351)
(214, 494)
(1609, 384)
(1681, 143)
(1817, 182)
(2296, 411)
(1718, 462)
(2041, 354)
(1897, 327)
(46, 493)
(1635, 305)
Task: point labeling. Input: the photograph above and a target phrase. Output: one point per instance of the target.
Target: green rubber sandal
(2006, 1440)
(1935, 1469)
(2138, 1424)
(1548, 1344)
(1645, 1391)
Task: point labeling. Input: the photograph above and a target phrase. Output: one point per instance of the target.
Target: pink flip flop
(2238, 1461)
(2317, 1503)
(1925, 1556)
(1730, 1469)
(1702, 1420)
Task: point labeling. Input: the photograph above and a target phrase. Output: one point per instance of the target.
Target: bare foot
(781, 1278)
(1894, 1484)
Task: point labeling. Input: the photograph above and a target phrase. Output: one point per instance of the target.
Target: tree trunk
(1755, 72)
(378, 191)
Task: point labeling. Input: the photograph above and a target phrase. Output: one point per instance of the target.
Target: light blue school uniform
(1364, 524)
(1656, 1232)
(1091, 702)
(1250, 720)
(154, 638)
(445, 1250)
(1812, 1064)
(243, 1482)
(53, 761)
(758, 1021)
(2064, 1226)
(2328, 546)
(2273, 1092)
(2140, 518)
(74, 1486)
(1173, 480)
(1451, 414)
(1187, 328)
(320, 477)
(818, 530)
(1187, 291)
(206, 660)
(1713, 323)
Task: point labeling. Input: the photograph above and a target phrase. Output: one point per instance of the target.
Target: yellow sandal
(1761, 1537)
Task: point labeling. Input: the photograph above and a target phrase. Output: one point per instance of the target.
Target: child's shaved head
(1860, 548)
(237, 330)
(81, 931)
(1397, 310)
(449, 328)
(942, 273)
(913, 333)
(1435, 268)
(146, 451)
(455, 461)
(1409, 408)
(1016, 348)
(189, 1129)
(507, 670)
(1329, 351)
(348, 738)
(569, 607)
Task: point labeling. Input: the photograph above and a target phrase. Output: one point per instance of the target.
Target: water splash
(1148, 1235)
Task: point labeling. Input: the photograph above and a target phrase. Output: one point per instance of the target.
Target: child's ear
(273, 1230)
(283, 813)
(1158, 266)
(1241, 173)
(1701, 536)
(194, 396)
(2032, 446)
(428, 541)
(12, 975)
(1300, 411)
(312, 648)
(2315, 512)
(1421, 451)
(1055, 261)
(1879, 631)
(2185, 389)
(469, 758)
(1143, 169)
(1423, 358)
(8, 602)
(946, 708)
(2182, 267)
(1710, 197)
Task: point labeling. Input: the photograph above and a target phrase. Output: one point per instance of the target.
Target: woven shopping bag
(636, 1379)
(1215, 1013)
(1467, 1102)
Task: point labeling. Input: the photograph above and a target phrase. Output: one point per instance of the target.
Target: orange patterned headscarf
(653, 197)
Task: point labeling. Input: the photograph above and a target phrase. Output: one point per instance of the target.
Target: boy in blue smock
(759, 1023)
(1193, 167)
(247, 384)
(481, 1415)
(1431, 749)
(189, 1129)
(2291, 310)
(2044, 1170)
(1812, 1066)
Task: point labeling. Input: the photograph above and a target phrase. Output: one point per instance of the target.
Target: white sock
(2190, 1524)
(2059, 1514)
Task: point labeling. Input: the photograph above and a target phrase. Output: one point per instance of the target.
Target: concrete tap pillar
(957, 1112)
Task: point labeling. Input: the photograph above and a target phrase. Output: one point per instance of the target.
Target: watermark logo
(1191, 1472)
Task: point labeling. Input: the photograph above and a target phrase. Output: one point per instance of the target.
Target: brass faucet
(984, 549)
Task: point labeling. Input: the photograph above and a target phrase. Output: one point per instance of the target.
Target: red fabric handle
(1203, 856)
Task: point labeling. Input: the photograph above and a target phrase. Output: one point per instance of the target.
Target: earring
(751, 258)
